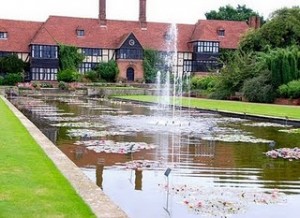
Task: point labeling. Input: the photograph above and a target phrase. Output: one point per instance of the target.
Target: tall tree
(281, 31)
(241, 13)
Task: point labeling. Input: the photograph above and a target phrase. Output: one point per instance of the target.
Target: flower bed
(285, 153)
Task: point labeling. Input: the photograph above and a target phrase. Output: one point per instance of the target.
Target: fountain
(214, 165)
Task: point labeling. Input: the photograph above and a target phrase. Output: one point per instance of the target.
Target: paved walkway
(100, 204)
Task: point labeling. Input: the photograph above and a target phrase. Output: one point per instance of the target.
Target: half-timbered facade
(100, 40)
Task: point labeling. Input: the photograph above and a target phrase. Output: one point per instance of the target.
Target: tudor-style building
(100, 40)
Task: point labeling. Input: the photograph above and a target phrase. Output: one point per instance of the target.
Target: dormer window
(221, 32)
(80, 32)
(3, 35)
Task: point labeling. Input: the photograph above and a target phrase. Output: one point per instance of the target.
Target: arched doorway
(130, 74)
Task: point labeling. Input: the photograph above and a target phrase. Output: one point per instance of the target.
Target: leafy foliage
(151, 60)
(290, 90)
(241, 13)
(11, 64)
(242, 67)
(62, 85)
(92, 76)
(259, 89)
(69, 58)
(12, 79)
(281, 31)
(107, 71)
(284, 63)
(204, 83)
(68, 75)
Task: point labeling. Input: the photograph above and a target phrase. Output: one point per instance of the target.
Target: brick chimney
(102, 12)
(142, 17)
(254, 22)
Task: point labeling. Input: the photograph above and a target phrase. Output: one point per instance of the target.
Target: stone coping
(100, 204)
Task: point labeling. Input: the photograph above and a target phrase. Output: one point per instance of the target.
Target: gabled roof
(19, 35)
(63, 30)
(60, 29)
(206, 30)
(127, 38)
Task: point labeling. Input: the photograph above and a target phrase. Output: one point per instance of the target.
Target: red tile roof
(20, 33)
(63, 30)
(206, 30)
(59, 29)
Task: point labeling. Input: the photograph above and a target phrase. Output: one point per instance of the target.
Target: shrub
(11, 64)
(12, 79)
(108, 71)
(259, 89)
(1, 80)
(67, 75)
(46, 85)
(92, 76)
(62, 85)
(221, 93)
(204, 83)
(290, 90)
(283, 91)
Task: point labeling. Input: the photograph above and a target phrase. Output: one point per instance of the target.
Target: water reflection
(99, 172)
(188, 146)
(138, 179)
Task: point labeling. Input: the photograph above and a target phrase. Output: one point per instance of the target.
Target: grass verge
(271, 110)
(30, 184)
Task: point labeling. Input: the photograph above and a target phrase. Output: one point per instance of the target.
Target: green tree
(283, 63)
(68, 75)
(11, 64)
(107, 71)
(259, 88)
(242, 67)
(240, 13)
(69, 58)
(150, 65)
(281, 31)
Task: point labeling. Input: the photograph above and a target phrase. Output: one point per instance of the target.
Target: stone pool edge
(93, 196)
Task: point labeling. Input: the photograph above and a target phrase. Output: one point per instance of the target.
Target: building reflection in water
(79, 151)
(50, 133)
(206, 149)
(99, 172)
(138, 179)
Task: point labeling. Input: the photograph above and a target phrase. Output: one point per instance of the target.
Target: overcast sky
(178, 11)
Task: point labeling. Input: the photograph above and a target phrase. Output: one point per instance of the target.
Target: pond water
(193, 164)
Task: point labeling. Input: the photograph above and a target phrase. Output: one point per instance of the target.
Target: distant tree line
(267, 63)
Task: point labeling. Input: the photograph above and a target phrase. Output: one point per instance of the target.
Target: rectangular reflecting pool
(156, 162)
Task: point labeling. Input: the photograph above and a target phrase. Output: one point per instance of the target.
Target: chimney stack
(254, 22)
(102, 12)
(142, 17)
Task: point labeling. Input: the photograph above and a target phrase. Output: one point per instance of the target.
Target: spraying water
(171, 94)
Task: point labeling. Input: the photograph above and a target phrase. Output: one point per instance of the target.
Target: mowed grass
(272, 110)
(30, 184)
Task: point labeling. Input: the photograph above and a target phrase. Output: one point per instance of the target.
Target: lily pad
(235, 138)
(295, 131)
(109, 146)
(221, 202)
(285, 153)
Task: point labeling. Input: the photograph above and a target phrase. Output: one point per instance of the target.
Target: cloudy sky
(178, 11)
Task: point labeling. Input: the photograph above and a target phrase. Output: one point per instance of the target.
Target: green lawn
(272, 110)
(30, 184)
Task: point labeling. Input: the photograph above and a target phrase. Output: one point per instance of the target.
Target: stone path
(100, 204)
